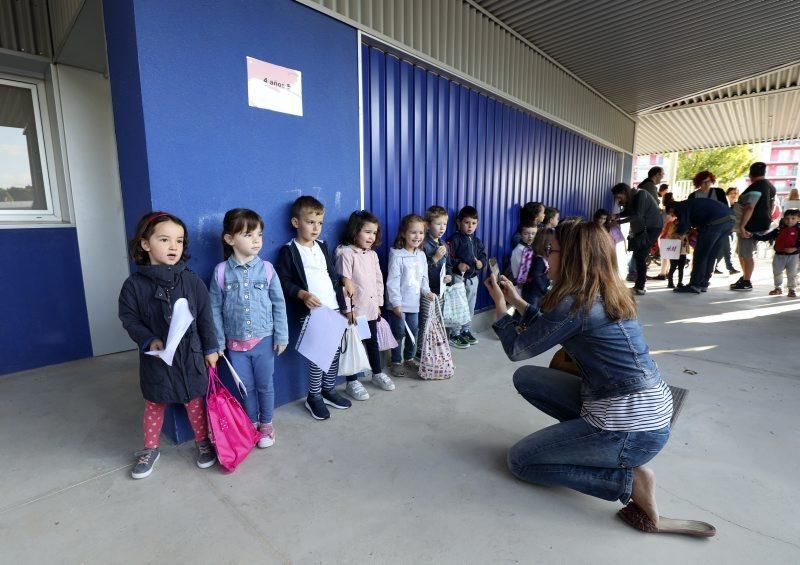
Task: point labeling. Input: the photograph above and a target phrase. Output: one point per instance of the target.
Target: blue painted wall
(195, 147)
(44, 308)
(429, 140)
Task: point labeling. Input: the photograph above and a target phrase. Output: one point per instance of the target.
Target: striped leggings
(319, 381)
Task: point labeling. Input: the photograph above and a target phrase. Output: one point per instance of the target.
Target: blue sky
(14, 166)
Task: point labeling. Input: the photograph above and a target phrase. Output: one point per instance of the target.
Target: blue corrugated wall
(429, 140)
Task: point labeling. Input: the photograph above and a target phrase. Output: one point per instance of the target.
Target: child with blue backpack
(250, 315)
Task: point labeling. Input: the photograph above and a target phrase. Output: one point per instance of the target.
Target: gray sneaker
(206, 456)
(356, 390)
(397, 369)
(382, 381)
(146, 460)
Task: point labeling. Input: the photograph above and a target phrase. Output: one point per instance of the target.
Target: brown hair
(434, 212)
(405, 223)
(236, 221)
(589, 272)
(306, 204)
(356, 222)
(145, 228)
(541, 242)
(703, 176)
(550, 213)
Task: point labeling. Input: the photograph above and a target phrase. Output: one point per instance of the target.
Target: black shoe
(333, 398)
(657, 278)
(734, 271)
(670, 284)
(144, 464)
(206, 456)
(469, 338)
(687, 289)
(703, 289)
(631, 277)
(742, 284)
(316, 405)
(717, 272)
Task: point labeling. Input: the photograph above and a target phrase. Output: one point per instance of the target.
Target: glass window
(24, 186)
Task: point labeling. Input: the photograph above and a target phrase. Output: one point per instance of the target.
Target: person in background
(732, 195)
(704, 185)
(787, 252)
(469, 257)
(640, 209)
(650, 184)
(662, 190)
(755, 204)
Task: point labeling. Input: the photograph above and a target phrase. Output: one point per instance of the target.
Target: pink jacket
(362, 267)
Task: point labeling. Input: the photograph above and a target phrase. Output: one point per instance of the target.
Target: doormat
(678, 397)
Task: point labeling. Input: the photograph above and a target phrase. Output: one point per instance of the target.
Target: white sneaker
(382, 380)
(356, 390)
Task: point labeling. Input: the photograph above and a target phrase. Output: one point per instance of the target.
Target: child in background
(468, 257)
(310, 281)
(250, 315)
(787, 252)
(670, 232)
(521, 263)
(551, 217)
(437, 256)
(601, 217)
(357, 263)
(538, 282)
(406, 284)
(531, 213)
(145, 308)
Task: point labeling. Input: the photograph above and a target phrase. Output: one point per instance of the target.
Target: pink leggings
(154, 419)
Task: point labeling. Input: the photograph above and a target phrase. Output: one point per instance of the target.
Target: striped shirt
(649, 409)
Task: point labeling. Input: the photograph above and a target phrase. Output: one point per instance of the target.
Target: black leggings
(373, 353)
(679, 265)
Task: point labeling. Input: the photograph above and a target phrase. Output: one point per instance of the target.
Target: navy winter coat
(145, 308)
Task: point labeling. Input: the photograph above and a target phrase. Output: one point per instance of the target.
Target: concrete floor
(417, 475)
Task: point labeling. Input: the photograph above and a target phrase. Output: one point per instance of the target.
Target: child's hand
(310, 300)
(463, 267)
(398, 312)
(349, 287)
(447, 279)
(430, 296)
(279, 348)
(211, 359)
(478, 264)
(156, 345)
(351, 318)
(441, 251)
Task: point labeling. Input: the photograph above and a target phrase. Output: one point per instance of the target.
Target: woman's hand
(511, 295)
(500, 307)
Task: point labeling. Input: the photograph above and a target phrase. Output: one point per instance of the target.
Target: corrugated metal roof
(645, 54)
(34, 26)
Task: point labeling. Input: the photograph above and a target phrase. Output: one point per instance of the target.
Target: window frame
(53, 213)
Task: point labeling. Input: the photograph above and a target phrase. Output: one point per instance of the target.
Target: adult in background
(613, 407)
(704, 187)
(641, 210)
(713, 221)
(650, 184)
(662, 190)
(731, 195)
(756, 204)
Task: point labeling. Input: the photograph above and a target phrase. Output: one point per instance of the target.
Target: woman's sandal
(637, 518)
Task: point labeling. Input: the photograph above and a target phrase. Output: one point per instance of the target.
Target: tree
(728, 164)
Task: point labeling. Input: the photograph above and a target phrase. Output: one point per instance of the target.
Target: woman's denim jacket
(612, 356)
(250, 306)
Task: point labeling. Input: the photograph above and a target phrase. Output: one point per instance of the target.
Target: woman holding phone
(614, 413)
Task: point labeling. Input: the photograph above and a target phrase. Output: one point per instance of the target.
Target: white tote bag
(353, 358)
(670, 248)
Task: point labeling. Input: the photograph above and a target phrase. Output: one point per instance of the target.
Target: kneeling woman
(614, 414)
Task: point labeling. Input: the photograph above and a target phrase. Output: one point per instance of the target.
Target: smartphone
(494, 268)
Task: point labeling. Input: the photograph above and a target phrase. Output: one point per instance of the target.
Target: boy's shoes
(412, 364)
(687, 289)
(356, 390)
(458, 342)
(206, 456)
(333, 398)
(733, 271)
(397, 369)
(469, 338)
(316, 405)
(741, 284)
(776, 292)
(791, 293)
(267, 435)
(144, 464)
(382, 381)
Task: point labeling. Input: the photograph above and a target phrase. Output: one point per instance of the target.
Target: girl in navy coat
(145, 307)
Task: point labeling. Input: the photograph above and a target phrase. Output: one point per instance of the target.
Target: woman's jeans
(709, 240)
(574, 453)
(255, 368)
(399, 332)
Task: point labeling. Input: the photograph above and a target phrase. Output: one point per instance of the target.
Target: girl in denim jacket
(250, 315)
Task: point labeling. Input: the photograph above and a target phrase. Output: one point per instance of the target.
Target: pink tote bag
(230, 428)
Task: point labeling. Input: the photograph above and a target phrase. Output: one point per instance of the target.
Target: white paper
(363, 327)
(442, 275)
(322, 336)
(410, 333)
(236, 378)
(181, 320)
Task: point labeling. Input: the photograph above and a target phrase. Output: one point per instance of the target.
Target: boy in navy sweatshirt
(468, 257)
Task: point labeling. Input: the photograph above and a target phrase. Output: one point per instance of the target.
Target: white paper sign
(272, 87)
(363, 327)
(322, 336)
(181, 320)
